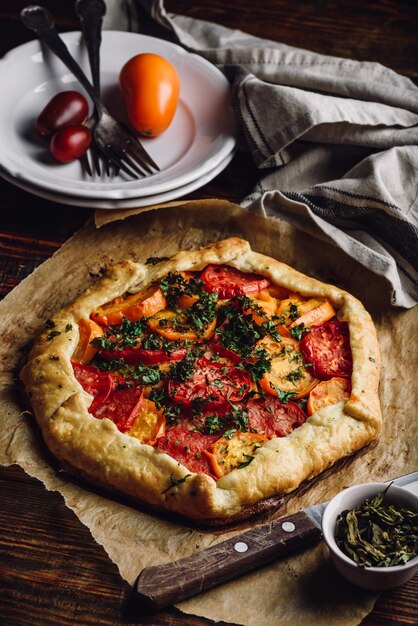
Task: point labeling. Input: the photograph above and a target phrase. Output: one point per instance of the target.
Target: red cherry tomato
(70, 143)
(229, 282)
(68, 108)
(150, 86)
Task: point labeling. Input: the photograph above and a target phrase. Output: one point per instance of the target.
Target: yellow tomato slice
(265, 306)
(88, 330)
(287, 373)
(149, 425)
(227, 454)
(169, 324)
(133, 308)
(186, 302)
(328, 392)
(296, 310)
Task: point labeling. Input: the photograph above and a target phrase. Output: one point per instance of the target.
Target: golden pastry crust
(96, 449)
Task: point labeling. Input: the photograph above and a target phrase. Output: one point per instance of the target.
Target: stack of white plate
(199, 143)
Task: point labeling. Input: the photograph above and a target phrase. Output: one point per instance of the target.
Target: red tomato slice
(96, 383)
(214, 384)
(133, 355)
(122, 406)
(186, 446)
(328, 347)
(225, 352)
(228, 282)
(273, 418)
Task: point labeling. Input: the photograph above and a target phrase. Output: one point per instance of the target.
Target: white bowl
(375, 578)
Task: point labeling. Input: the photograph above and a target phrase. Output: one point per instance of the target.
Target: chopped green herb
(50, 324)
(269, 328)
(183, 370)
(68, 328)
(213, 424)
(260, 365)
(284, 396)
(293, 312)
(142, 374)
(297, 332)
(154, 260)
(54, 358)
(295, 375)
(52, 334)
(378, 534)
(175, 481)
(247, 462)
(126, 334)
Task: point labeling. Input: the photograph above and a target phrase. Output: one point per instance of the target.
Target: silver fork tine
(111, 137)
(90, 14)
(115, 158)
(85, 164)
(142, 153)
(96, 159)
(132, 163)
(132, 150)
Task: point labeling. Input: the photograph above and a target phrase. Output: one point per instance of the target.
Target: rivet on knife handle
(162, 585)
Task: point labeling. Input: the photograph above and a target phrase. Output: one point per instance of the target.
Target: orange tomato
(186, 302)
(287, 371)
(297, 310)
(328, 392)
(88, 330)
(266, 306)
(149, 425)
(134, 307)
(227, 454)
(150, 86)
(169, 325)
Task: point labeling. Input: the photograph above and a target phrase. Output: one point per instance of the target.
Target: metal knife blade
(160, 586)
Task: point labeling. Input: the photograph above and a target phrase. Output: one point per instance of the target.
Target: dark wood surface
(52, 572)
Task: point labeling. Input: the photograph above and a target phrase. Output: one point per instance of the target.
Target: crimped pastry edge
(96, 449)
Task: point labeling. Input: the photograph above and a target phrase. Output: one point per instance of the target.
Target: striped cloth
(335, 140)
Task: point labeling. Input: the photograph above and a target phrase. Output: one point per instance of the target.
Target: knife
(162, 585)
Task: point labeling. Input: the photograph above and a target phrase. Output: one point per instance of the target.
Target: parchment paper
(303, 589)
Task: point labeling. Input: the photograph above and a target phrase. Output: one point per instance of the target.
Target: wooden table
(52, 571)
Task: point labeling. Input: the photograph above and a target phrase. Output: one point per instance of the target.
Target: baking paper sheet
(303, 589)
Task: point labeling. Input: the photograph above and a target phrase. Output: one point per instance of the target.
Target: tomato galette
(207, 382)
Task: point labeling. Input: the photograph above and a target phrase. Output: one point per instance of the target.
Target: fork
(115, 140)
(90, 14)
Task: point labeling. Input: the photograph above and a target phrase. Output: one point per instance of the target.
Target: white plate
(199, 138)
(131, 203)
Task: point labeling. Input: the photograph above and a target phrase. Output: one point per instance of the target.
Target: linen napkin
(335, 140)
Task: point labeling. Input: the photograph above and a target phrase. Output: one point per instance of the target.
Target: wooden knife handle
(160, 586)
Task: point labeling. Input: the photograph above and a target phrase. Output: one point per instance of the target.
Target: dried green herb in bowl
(377, 533)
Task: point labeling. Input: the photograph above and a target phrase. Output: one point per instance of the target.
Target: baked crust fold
(96, 449)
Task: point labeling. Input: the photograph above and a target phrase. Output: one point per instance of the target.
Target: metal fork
(114, 140)
(90, 14)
